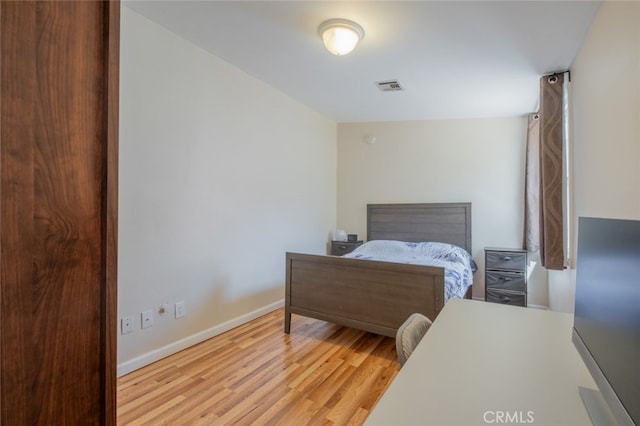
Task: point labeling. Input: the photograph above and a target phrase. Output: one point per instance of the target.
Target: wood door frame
(34, 40)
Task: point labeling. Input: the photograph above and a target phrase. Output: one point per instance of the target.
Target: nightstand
(338, 248)
(505, 276)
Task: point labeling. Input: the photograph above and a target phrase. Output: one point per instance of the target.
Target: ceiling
(454, 59)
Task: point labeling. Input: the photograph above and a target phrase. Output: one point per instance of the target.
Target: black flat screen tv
(606, 330)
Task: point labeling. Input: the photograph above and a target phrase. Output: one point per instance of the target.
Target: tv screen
(607, 310)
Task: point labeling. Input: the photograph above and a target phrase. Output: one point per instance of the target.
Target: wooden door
(58, 211)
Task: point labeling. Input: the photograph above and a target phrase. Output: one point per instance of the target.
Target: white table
(484, 363)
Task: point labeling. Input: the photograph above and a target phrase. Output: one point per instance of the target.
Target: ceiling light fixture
(340, 36)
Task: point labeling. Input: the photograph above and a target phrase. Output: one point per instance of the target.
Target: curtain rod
(568, 72)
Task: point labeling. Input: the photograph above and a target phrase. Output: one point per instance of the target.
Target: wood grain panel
(17, 90)
(111, 126)
(67, 187)
(369, 295)
(58, 224)
(406, 287)
(442, 222)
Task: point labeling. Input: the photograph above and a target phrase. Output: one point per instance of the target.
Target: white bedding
(458, 264)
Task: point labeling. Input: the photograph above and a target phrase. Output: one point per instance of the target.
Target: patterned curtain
(544, 212)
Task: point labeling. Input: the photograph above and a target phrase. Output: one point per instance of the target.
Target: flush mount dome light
(340, 36)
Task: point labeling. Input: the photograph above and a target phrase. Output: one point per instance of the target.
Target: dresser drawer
(504, 280)
(506, 297)
(513, 261)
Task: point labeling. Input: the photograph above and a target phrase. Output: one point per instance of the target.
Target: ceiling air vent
(389, 85)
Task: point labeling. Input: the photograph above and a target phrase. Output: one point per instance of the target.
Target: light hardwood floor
(321, 373)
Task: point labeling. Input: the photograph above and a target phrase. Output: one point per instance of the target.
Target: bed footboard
(369, 295)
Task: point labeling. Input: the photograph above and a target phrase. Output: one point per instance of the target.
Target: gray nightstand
(505, 276)
(338, 248)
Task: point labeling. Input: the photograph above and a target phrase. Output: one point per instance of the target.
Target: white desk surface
(479, 359)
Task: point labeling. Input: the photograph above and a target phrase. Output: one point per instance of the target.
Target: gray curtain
(544, 203)
(532, 186)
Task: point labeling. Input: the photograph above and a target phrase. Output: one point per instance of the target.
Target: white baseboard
(544, 308)
(172, 348)
(528, 305)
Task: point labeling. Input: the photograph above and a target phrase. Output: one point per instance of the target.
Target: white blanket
(458, 264)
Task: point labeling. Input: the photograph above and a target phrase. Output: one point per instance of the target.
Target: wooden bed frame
(371, 295)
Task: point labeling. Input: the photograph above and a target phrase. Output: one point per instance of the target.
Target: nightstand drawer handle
(342, 247)
(506, 257)
(506, 278)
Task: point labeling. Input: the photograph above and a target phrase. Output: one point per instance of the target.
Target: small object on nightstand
(505, 276)
(352, 238)
(340, 235)
(339, 248)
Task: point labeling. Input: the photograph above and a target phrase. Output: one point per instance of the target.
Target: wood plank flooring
(255, 374)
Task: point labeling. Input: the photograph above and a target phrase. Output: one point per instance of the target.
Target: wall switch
(179, 309)
(147, 318)
(126, 325)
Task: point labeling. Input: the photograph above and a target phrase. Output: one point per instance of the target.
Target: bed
(373, 295)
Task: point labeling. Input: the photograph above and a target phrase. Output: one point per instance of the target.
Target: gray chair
(409, 335)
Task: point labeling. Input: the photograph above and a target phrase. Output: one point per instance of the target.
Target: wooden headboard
(442, 222)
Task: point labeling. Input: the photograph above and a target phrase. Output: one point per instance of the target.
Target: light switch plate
(179, 309)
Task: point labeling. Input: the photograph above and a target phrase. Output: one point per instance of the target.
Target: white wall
(479, 160)
(220, 174)
(606, 127)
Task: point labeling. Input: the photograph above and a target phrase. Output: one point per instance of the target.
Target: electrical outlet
(147, 318)
(126, 325)
(163, 309)
(179, 309)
